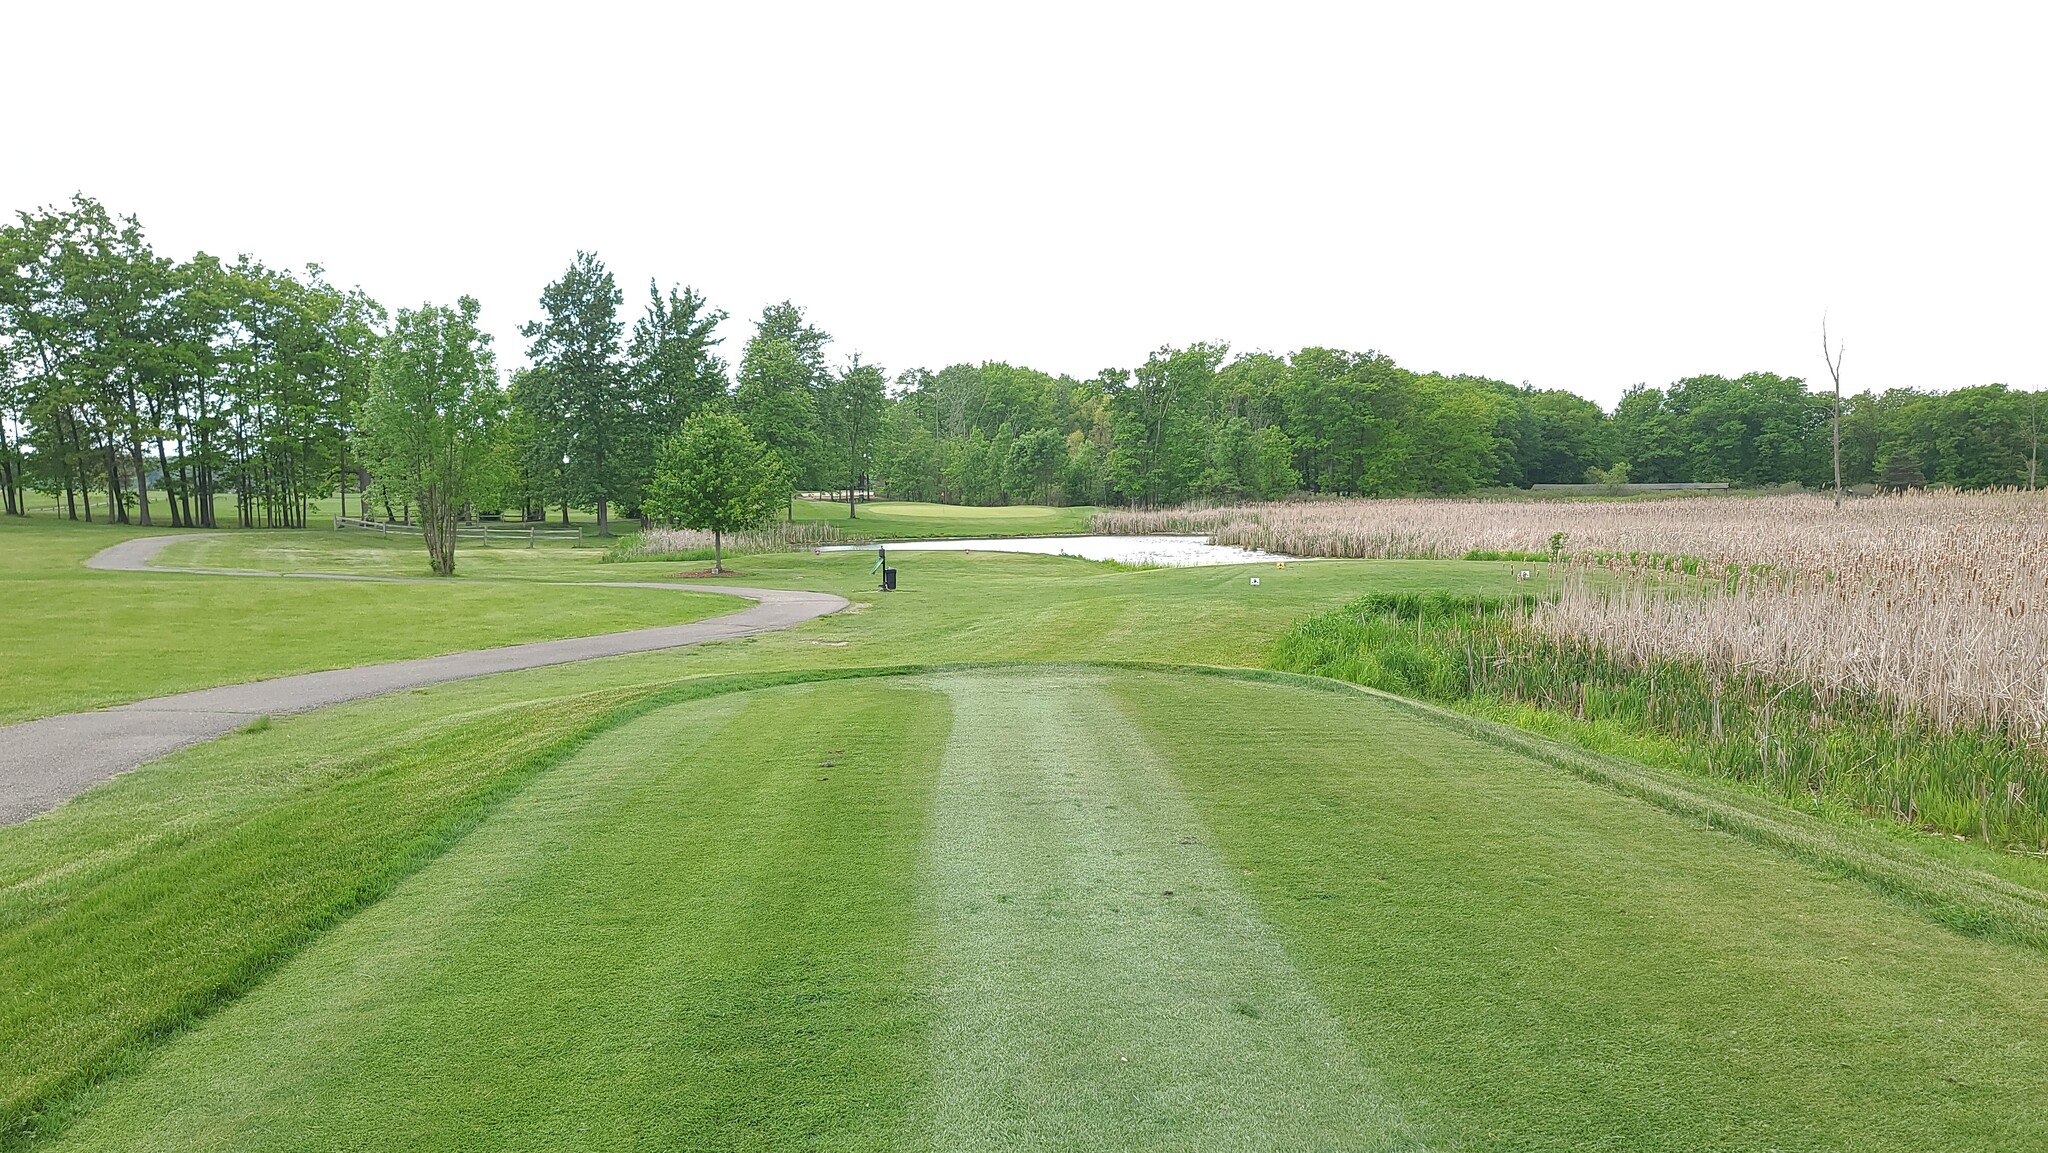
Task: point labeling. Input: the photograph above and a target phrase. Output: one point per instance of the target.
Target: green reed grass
(1782, 737)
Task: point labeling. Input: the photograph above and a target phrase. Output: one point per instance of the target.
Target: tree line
(1197, 424)
(138, 388)
(1763, 429)
(156, 385)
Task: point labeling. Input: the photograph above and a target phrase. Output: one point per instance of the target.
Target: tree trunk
(448, 540)
(717, 552)
(72, 458)
(186, 484)
(84, 477)
(565, 514)
(142, 516)
(2034, 433)
(14, 508)
(1838, 445)
(437, 527)
(117, 508)
(431, 537)
(203, 469)
(1833, 357)
(603, 521)
(163, 462)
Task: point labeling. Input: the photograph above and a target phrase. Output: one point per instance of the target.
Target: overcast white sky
(1577, 196)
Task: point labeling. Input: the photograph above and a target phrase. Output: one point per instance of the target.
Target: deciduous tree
(782, 375)
(430, 420)
(853, 410)
(715, 476)
(587, 413)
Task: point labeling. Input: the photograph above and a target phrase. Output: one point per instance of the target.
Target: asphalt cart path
(47, 761)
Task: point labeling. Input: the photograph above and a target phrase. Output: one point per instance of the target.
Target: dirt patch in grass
(700, 574)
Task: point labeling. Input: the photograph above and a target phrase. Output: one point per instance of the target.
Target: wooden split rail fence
(532, 534)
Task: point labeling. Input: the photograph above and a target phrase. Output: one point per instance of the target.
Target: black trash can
(888, 580)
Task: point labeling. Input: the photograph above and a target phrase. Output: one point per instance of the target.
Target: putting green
(1081, 908)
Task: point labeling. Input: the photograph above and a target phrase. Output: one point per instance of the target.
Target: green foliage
(1156, 456)
(578, 401)
(713, 475)
(431, 421)
(164, 385)
(673, 371)
(1615, 478)
(852, 411)
(1191, 425)
(780, 392)
(1900, 471)
(121, 370)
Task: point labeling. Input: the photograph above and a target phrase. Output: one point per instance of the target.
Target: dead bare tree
(1834, 360)
(2034, 435)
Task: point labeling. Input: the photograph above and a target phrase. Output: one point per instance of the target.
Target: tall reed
(777, 536)
(1932, 601)
(1786, 736)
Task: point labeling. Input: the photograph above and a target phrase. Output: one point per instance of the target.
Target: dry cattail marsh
(1918, 613)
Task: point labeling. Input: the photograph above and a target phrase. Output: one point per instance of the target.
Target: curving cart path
(46, 762)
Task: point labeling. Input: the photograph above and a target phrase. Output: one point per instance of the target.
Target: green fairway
(80, 639)
(909, 520)
(950, 606)
(319, 512)
(1064, 907)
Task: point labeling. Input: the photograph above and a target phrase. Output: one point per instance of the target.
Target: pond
(1162, 551)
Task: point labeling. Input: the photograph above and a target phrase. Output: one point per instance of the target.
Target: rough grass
(76, 638)
(141, 910)
(1379, 930)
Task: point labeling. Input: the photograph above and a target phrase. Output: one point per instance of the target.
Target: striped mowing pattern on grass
(1099, 981)
(691, 934)
(774, 920)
